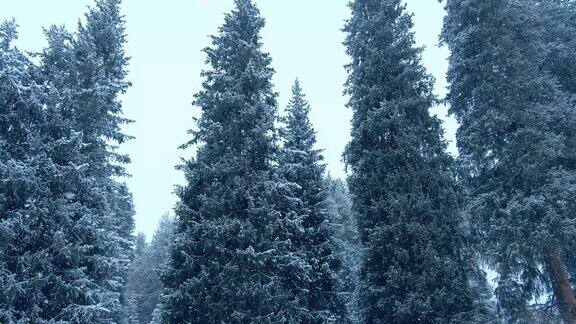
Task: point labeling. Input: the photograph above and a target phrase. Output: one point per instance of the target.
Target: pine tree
(347, 243)
(302, 165)
(517, 148)
(234, 259)
(416, 268)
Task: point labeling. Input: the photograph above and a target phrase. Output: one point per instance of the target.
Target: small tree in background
(301, 164)
(144, 286)
(347, 243)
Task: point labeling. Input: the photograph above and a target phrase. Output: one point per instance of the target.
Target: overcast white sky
(165, 39)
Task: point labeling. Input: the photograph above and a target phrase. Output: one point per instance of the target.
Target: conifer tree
(140, 280)
(556, 27)
(25, 233)
(416, 267)
(301, 164)
(101, 69)
(150, 261)
(85, 237)
(234, 258)
(67, 222)
(347, 244)
(517, 148)
(42, 218)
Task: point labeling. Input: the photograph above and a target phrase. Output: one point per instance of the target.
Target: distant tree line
(261, 233)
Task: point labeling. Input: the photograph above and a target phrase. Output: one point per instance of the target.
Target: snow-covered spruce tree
(85, 74)
(559, 43)
(101, 69)
(140, 281)
(416, 267)
(556, 26)
(160, 252)
(517, 146)
(301, 164)
(234, 259)
(347, 243)
(25, 230)
(41, 176)
(68, 223)
(77, 294)
(150, 261)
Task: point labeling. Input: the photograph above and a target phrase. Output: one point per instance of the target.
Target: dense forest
(261, 232)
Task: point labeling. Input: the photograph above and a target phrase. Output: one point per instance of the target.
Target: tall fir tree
(416, 267)
(556, 23)
(557, 20)
(301, 164)
(234, 258)
(517, 147)
(25, 230)
(101, 67)
(53, 249)
(556, 26)
(102, 70)
(76, 238)
(42, 167)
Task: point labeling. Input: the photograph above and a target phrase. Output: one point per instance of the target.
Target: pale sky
(165, 39)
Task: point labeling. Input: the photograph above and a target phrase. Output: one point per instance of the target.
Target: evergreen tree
(67, 258)
(150, 261)
(101, 71)
(50, 241)
(234, 256)
(517, 148)
(302, 165)
(556, 25)
(160, 252)
(139, 280)
(46, 229)
(81, 235)
(347, 243)
(416, 267)
(557, 30)
(25, 231)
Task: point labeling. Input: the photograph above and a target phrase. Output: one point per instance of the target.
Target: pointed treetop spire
(8, 33)
(299, 133)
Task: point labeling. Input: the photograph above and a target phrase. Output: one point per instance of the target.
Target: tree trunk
(562, 289)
